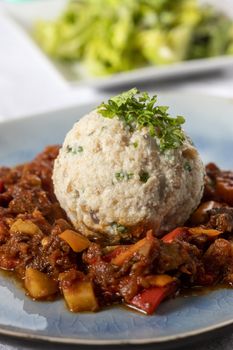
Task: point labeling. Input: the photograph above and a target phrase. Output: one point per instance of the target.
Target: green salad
(111, 36)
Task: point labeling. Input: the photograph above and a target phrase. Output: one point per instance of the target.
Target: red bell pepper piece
(171, 236)
(149, 299)
(1, 186)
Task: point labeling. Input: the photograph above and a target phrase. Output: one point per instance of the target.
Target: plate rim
(106, 342)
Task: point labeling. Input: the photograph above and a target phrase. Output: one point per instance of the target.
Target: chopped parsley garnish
(119, 228)
(74, 150)
(187, 166)
(141, 111)
(135, 144)
(121, 175)
(144, 176)
(129, 176)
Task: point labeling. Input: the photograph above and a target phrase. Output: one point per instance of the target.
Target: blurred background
(59, 53)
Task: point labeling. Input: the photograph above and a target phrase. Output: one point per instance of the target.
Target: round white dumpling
(114, 183)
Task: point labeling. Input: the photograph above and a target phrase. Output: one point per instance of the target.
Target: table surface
(23, 91)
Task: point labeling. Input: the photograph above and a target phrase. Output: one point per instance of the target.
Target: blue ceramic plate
(210, 124)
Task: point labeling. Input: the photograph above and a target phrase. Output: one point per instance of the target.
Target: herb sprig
(74, 150)
(121, 176)
(141, 111)
(118, 228)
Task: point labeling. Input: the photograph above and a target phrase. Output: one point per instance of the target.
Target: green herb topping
(140, 111)
(74, 150)
(119, 228)
(121, 175)
(135, 144)
(144, 176)
(187, 166)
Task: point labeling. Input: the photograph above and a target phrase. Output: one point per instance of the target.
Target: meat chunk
(221, 219)
(218, 256)
(28, 200)
(219, 184)
(176, 255)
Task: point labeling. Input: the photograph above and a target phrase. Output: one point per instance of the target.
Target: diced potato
(25, 226)
(204, 231)
(38, 284)
(160, 280)
(76, 241)
(80, 296)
